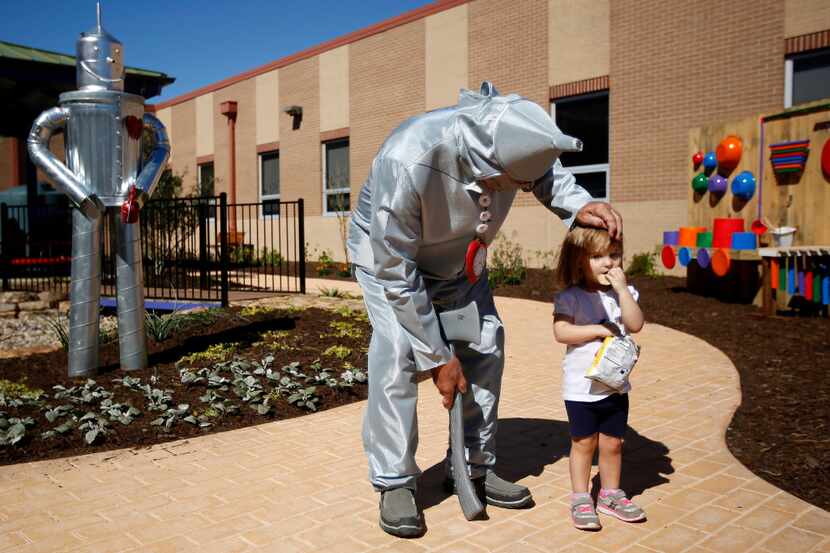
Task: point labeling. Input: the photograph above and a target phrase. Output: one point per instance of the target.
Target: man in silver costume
(419, 216)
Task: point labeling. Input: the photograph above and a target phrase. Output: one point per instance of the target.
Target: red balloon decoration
(697, 159)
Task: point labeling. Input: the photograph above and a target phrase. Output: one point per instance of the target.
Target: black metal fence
(193, 249)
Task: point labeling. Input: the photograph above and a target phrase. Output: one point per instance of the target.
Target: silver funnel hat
(527, 142)
(100, 59)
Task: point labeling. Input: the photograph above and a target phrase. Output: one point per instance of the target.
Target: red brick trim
(325, 136)
(14, 159)
(403, 19)
(204, 159)
(267, 147)
(594, 84)
(810, 41)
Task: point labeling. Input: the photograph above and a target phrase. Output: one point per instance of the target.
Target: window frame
(334, 191)
(266, 197)
(789, 74)
(211, 202)
(594, 167)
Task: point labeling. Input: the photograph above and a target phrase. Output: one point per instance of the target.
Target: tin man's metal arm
(151, 172)
(42, 130)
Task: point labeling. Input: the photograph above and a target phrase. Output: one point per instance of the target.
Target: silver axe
(462, 325)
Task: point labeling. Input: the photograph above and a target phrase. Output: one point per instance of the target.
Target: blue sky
(197, 42)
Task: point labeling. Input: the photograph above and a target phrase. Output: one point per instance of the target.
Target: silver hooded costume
(416, 215)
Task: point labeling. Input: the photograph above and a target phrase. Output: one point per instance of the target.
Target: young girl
(594, 302)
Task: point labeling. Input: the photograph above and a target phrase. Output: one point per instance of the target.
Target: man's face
(503, 182)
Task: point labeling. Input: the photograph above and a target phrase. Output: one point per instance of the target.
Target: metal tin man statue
(104, 173)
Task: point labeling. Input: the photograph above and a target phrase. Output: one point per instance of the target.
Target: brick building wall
(676, 73)
(300, 157)
(521, 67)
(386, 86)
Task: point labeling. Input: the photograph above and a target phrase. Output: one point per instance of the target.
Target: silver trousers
(390, 424)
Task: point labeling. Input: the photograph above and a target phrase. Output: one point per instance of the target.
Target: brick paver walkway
(300, 485)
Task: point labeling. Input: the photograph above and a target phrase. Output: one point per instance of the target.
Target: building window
(269, 183)
(205, 184)
(807, 77)
(205, 180)
(336, 184)
(586, 117)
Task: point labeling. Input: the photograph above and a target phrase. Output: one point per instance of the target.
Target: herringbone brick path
(300, 485)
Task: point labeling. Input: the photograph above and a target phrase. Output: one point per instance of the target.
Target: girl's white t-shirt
(587, 307)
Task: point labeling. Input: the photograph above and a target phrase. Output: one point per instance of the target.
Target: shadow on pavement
(526, 446)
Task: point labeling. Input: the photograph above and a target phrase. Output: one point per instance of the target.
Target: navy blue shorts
(608, 416)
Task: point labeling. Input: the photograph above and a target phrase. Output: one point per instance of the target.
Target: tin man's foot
(498, 492)
(399, 514)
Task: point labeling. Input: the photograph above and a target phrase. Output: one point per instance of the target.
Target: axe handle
(470, 503)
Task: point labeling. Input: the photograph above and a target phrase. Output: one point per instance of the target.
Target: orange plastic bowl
(729, 151)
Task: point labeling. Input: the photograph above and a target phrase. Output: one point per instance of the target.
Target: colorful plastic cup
(671, 237)
(704, 240)
(744, 241)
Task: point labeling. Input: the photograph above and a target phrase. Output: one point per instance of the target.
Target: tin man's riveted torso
(104, 173)
(410, 234)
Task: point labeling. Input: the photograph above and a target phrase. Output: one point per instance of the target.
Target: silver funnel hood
(100, 59)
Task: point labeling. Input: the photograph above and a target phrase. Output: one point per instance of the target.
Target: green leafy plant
(642, 264)
(214, 353)
(305, 398)
(160, 327)
(15, 394)
(13, 430)
(340, 352)
(506, 264)
(325, 264)
(58, 326)
(345, 329)
(171, 415)
(93, 426)
(271, 257)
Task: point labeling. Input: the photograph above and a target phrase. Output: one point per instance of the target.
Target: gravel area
(35, 333)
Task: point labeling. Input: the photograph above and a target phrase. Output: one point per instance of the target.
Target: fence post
(301, 238)
(203, 244)
(224, 257)
(4, 223)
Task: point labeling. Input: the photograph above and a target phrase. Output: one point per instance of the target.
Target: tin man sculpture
(104, 173)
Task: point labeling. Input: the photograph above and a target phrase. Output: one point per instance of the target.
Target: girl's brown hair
(580, 244)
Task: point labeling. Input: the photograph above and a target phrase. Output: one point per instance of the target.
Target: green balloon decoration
(700, 183)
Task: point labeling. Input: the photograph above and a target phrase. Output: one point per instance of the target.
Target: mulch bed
(780, 431)
(303, 336)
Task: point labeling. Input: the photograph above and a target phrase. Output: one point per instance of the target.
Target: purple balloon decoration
(703, 258)
(717, 184)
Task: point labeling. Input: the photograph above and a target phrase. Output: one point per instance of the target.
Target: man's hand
(449, 378)
(601, 215)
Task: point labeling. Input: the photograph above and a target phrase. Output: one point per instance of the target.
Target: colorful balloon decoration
(700, 183)
(729, 152)
(717, 184)
(703, 258)
(667, 256)
(743, 186)
(710, 160)
(697, 159)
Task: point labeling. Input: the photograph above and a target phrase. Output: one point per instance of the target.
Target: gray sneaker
(499, 492)
(618, 505)
(583, 514)
(399, 514)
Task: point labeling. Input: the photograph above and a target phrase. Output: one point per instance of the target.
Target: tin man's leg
(84, 293)
(390, 424)
(131, 334)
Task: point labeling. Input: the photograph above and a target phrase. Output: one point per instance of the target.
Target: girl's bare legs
(610, 461)
(582, 453)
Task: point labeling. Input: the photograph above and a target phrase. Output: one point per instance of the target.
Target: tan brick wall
(300, 149)
(204, 125)
(577, 40)
(508, 46)
(674, 74)
(244, 94)
(805, 16)
(446, 56)
(523, 66)
(334, 89)
(183, 142)
(268, 107)
(387, 87)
